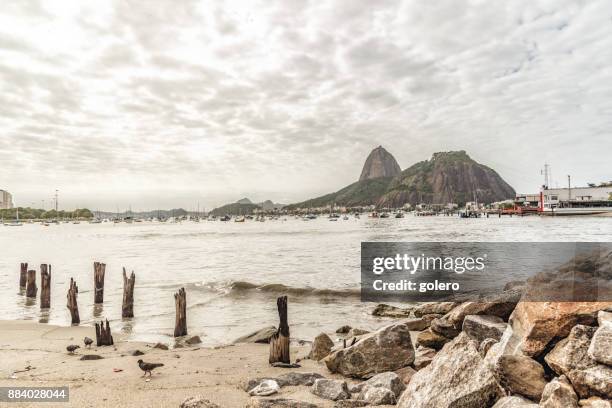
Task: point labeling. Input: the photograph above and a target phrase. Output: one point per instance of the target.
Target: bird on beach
(88, 342)
(71, 348)
(148, 367)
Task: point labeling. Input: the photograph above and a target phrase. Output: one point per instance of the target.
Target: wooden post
(103, 334)
(279, 342)
(180, 302)
(31, 288)
(72, 302)
(23, 276)
(45, 286)
(127, 310)
(99, 269)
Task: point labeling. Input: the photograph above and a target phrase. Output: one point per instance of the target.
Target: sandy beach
(214, 373)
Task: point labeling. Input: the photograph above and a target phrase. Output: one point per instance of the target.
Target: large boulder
(387, 349)
(538, 323)
(559, 394)
(258, 336)
(389, 380)
(295, 378)
(321, 347)
(604, 316)
(457, 377)
(278, 403)
(480, 327)
(601, 345)
(197, 402)
(595, 402)
(572, 352)
(434, 308)
(405, 374)
(416, 323)
(514, 402)
(330, 389)
(501, 305)
(593, 381)
(521, 375)
(444, 327)
(377, 396)
(429, 338)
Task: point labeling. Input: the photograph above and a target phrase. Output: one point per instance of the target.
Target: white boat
(239, 218)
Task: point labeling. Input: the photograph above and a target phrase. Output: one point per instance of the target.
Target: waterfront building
(6, 200)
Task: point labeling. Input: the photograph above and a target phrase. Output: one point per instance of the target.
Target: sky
(161, 104)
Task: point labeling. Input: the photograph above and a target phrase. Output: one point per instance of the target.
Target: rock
(480, 327)
(457, 377)
(298, 379)
(344, 329)
(193, 340)
(514, 402)
(594, 402)
(86, 357)
(517, 284)
(248, 385)
(423, 357)
(383, 310)
(279, 403)
(387, 349)
(136, 353)
(572, 352)
(280, 364)
(501, 305)
(377, 396)
(197, 402)
(538, 323)
(485, 346)
(603, 317)
(521, 375)
(434, 308)
(416, 323)
(265, 388)
(388, 380)
(161, 346)
(444, 327)
(428, 338)
(559, 394)
(405, 374)
(356, 332)
(592, 382)
(356, 388)
(600, 349)
(330, 389)
(259, 336)
(352, 403)
(321, 347)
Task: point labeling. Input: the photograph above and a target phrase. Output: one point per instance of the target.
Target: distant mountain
(244, 201)
(235, 209)
(448, 177)
(269, 205)
(380, 163)
(177, 212)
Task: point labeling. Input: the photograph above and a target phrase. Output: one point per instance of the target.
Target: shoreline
(216, 373)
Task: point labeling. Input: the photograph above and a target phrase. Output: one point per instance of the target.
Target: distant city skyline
(166, 104)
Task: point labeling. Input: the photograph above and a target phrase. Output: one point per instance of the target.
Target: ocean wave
(242, 286)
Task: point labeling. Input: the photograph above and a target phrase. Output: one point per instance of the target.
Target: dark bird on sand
(71, 348)
(148, 367)
(88, 342)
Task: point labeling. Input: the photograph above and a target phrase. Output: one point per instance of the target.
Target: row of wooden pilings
(279, 342)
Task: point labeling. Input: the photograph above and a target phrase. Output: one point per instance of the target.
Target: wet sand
(214, 373)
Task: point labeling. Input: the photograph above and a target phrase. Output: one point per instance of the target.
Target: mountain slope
(380, 163)
(448, 177)
(363, 192)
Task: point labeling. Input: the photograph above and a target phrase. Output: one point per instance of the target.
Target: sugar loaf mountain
(448, 177)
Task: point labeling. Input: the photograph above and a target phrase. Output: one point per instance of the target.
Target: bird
(71, 348)
(88, 342)
(148, 367)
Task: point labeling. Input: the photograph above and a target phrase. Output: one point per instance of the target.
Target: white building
(555, 195)
(6, 200)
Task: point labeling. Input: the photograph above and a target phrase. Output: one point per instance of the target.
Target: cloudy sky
(169, 103)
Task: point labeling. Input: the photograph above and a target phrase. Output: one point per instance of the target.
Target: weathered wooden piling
(31, 288)
(180, 302)
(279, 342)
(103, 334)
(99, 270)
(23, 275)
(45, 286)
(72, 305)
(127, 309)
